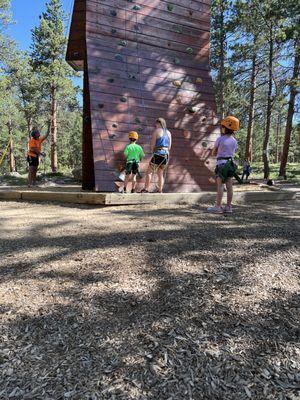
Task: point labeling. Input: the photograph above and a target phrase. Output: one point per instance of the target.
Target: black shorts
(159, 160)
(33, 161)
(132, 167)
(230, 172)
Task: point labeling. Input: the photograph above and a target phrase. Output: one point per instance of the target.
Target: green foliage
(240, 31)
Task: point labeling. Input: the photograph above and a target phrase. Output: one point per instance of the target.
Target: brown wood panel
(159, 9)
(149, 56)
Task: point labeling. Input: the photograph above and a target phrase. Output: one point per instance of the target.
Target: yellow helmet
(231, 122)
(133, 135)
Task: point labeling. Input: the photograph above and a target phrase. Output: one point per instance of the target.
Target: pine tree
(48, 60)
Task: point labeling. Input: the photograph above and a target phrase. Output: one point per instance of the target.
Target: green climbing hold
(138, 121)
(192, 109)
(123, 43)
(131, 76)
(189, 50)
(113, 13)
(123, 99)
(176, 60)
(110, 80)
(113, 31)
(170, 7)
(119, 57)
(204, 144)
(178, 29)
(136, 8)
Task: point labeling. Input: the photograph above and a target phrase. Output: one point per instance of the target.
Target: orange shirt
(35, 143)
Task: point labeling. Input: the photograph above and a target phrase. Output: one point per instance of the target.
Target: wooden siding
(132, 59)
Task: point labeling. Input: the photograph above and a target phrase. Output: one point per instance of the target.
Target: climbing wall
(143, 60)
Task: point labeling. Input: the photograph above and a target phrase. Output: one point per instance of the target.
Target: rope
(4, 153)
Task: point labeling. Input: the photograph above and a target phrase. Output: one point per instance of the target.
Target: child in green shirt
(133, 153)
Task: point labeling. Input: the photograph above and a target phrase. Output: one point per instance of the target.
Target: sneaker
(227, 209)
(215, 210)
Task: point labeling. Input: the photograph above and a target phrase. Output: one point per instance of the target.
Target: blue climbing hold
(119, 57)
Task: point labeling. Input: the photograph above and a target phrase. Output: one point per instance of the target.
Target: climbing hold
(192, 109)
(114, 125)
(204, 119)
(186, 134)
(199, 81)
(100, 105)
(137, 28)
(177, 83)
(113, 13)
(119, 57)
(176, 60)
(191, 12)
(131, 76)
(123, 43)
(136, 8)
(178, 29)
(138, 121)
(112, 135)
(189, 50)
(204, 144)
(123, 99)
(113, 31)
(170, 7)
(110, 80)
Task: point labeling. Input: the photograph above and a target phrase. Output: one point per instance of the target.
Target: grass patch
(293, 171)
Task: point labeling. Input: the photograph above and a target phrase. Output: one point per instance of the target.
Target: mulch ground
(162, 303)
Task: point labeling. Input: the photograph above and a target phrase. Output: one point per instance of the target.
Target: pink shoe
(215, 210)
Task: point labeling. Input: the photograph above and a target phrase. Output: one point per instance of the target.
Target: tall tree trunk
(249, 140)
(12, 162)
(278, 130)
(269, 109)
(222, 61)
(290, 114)
(53, 128)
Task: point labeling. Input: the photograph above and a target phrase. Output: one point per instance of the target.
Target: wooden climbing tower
(144, 59)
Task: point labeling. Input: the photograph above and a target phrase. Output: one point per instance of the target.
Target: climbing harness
(4, 153)
(223, 171)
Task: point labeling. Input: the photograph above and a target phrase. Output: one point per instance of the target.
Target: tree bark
(53, 128)
(249, 140)
(12, 161)
(269, 109)
(222, 61)
(290, 115)
(278, 130)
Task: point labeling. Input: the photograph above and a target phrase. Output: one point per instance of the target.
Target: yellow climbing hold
(199, 81)
(177, 83)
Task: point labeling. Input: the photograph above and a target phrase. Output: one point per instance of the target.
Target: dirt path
(149, 303)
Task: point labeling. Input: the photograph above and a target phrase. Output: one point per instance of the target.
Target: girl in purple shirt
(225, 148)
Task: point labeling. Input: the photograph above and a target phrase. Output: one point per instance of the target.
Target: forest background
(255, 55)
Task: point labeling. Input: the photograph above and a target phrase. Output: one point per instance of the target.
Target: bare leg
(126, 180)
(34, 175)
(133, 182)
(220, 188)
(161, 179)
(148, 177)
(229, 187)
